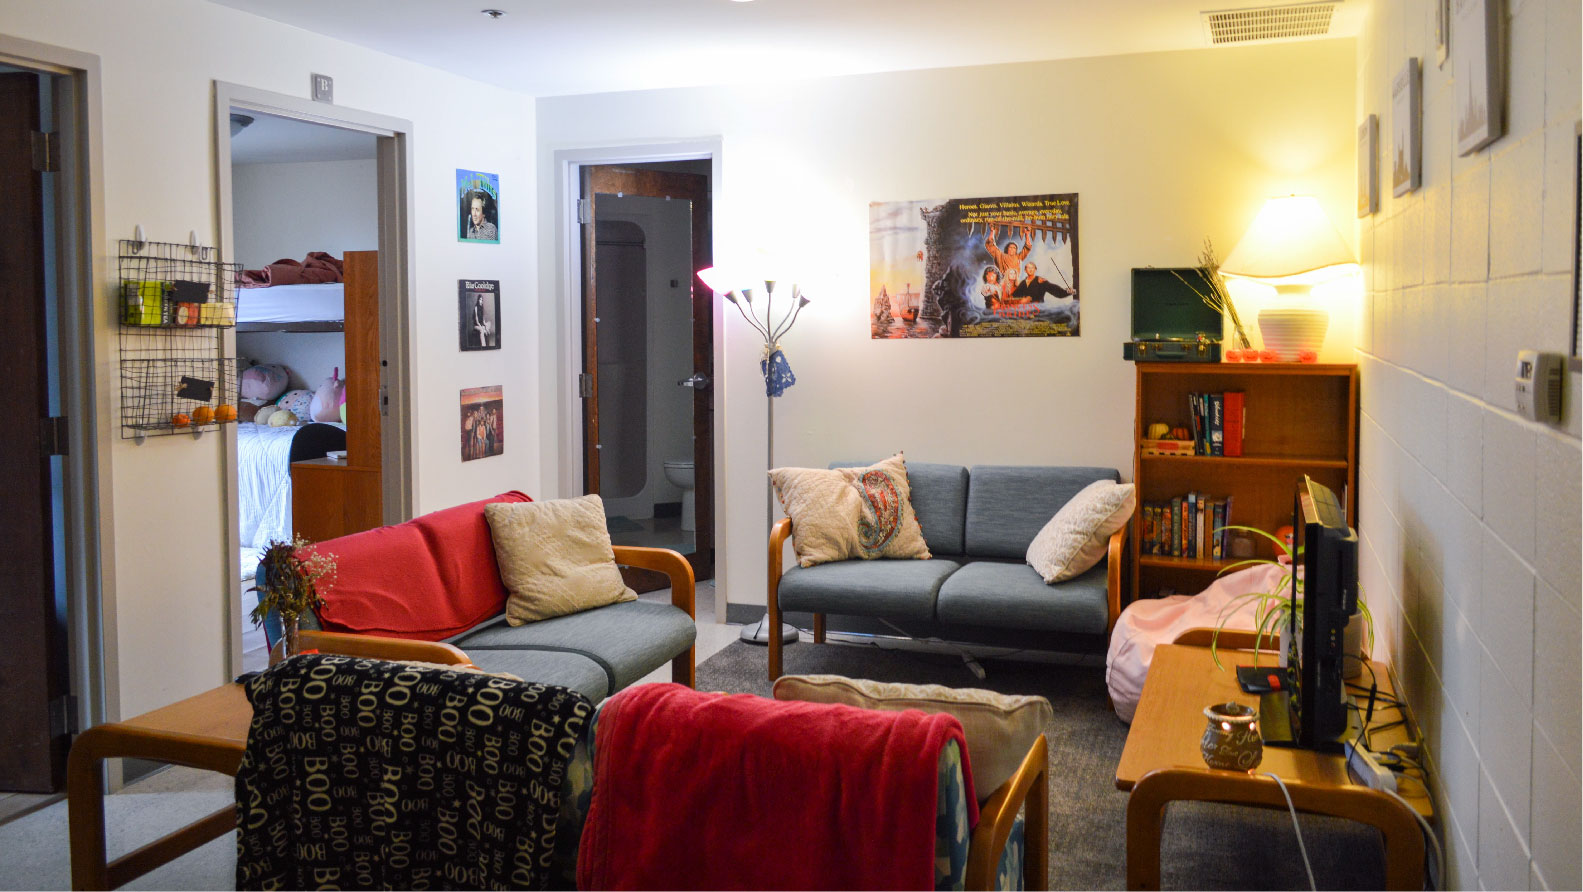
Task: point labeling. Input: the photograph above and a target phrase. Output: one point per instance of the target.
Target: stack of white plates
(1289, 331)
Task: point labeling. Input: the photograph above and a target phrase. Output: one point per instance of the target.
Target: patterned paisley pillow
(850, 512)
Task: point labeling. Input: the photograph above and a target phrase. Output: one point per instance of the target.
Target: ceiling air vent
(1297, 20)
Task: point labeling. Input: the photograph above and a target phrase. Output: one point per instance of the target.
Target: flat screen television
(1315, 708)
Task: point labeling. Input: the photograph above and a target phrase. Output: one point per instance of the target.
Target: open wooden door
(617, 181)
(34, 677)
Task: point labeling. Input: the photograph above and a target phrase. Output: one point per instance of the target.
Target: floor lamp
(777, 377)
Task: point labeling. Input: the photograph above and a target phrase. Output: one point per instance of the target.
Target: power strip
(1364, 770)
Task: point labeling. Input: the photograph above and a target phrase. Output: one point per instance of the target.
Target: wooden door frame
(396, 298)
(84, 333)
(564, 465)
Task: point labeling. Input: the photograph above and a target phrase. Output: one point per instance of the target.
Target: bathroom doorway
(648, 355)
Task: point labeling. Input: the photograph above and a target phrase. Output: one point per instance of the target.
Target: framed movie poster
(483, 428)
(1476, 74)
(1406, 129)
(478, 321)
(478, 207)
(1368, 166)
(974, 267)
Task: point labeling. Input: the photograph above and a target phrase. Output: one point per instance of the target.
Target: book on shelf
(1234, 423)
(1217, 434)
(1176, 526)
(1218, 421)
(1191, 525)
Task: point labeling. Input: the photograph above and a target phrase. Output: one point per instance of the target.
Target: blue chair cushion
(893, 589)
(1007, 595)
(627, 640)
(558, 667)
(1007, 506)
(939, 498)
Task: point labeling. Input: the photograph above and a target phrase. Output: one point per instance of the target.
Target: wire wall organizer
(176, 302)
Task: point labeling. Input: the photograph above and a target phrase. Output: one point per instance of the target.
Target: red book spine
(1234, 423)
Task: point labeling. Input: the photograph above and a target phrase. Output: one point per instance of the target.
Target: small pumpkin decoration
(202, 415)
(180, 419)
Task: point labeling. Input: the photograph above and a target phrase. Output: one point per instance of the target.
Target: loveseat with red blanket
(435, 578)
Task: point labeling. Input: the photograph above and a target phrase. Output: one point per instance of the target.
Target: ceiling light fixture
(493, 13)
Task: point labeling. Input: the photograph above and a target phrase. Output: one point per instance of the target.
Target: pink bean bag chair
(1150, 622)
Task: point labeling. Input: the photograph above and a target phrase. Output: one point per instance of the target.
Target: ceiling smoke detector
(1256, 23)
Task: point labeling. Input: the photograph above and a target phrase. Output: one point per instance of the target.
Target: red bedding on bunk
(317, 268)
(429, 578)
(713, 791)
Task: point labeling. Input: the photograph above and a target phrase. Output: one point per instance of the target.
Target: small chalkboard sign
(195, 389)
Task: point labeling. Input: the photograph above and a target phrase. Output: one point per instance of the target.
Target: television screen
(1326, 595)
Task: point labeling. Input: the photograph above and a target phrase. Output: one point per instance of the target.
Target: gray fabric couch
(978, 524)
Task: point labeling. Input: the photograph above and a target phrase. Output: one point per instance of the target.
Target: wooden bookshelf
(1300, 418)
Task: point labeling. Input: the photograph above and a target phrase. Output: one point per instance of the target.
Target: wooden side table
(1161, 764)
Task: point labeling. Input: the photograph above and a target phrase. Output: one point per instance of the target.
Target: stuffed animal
(282, 418)
(247, 410)
(262, 414)
(327, 399)
(297, 402)
(264, 382)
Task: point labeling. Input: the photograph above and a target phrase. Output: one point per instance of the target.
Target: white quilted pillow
(1075, 538)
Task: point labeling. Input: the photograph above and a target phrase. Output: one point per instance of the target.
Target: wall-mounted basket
(175, 302)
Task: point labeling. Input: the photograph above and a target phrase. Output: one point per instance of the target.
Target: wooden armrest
(375, 647)
(1030, 786)
(1230, 639)
(1113, 574)
(778, 534)
(684, 594)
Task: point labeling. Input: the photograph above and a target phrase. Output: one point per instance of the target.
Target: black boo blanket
(363, 774)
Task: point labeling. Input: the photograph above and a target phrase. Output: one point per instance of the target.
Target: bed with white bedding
(264, 456)
(314, 307)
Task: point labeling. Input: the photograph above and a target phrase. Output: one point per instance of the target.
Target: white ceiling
(272, 140)
(557, 47)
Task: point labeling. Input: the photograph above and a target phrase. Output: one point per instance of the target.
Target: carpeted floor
(1205, 846)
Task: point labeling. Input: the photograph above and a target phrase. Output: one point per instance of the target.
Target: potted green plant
(1272, 615)
(291, 584)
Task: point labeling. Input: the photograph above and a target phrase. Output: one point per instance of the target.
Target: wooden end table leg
(85, 813)
(1404, 842)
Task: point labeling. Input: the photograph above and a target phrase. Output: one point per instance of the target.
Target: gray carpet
(1205, 846)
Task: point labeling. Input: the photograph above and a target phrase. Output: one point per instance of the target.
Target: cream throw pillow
(851, 512)
(1000, 728)
(1075, 538)
(555, 557)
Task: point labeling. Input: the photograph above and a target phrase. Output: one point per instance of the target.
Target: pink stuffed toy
(264, 382)
(327, 399)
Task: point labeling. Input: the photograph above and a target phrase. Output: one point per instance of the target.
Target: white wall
(1470, 515)
(309, 356)
(1163, 150)
(159, 60)
(286, 210)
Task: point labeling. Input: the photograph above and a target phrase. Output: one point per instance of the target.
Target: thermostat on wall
(1539, 385)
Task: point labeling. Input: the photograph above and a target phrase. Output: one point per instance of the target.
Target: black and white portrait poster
(479, 306)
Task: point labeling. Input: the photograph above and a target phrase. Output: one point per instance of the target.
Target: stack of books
(1218, 420)
(1188, 526)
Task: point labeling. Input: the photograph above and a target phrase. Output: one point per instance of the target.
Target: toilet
(680, 474)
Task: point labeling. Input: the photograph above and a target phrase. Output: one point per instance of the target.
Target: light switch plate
(323, 87)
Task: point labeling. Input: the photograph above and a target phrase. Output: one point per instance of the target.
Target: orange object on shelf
(202, 415)
(225, 413)
(180, 419)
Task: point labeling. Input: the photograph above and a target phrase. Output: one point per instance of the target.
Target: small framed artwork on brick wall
(1368, 166)
(1406, 127)
(1476, 70)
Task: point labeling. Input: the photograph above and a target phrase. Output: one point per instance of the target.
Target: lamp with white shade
(1291, 246)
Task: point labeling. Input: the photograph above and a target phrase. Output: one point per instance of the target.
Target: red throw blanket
(429, 578)
(317, 268)
(709, 791)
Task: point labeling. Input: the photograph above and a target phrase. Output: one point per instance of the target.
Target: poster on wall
(479, 308)
(478, 207)
(1368, 170)
(483, 428)
(1476, 74)
(974, 267)
(1406, 153)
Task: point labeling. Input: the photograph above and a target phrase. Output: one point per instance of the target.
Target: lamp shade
(1291, 241)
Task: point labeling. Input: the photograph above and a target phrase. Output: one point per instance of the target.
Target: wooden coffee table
(1161, 764)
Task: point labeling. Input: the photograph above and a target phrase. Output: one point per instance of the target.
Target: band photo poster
(974, 267)
(483, 422)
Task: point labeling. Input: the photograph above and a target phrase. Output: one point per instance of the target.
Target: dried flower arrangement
(291, 585)
(1216, 296)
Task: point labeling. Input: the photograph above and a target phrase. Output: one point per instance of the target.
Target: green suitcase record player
(1170, 322)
